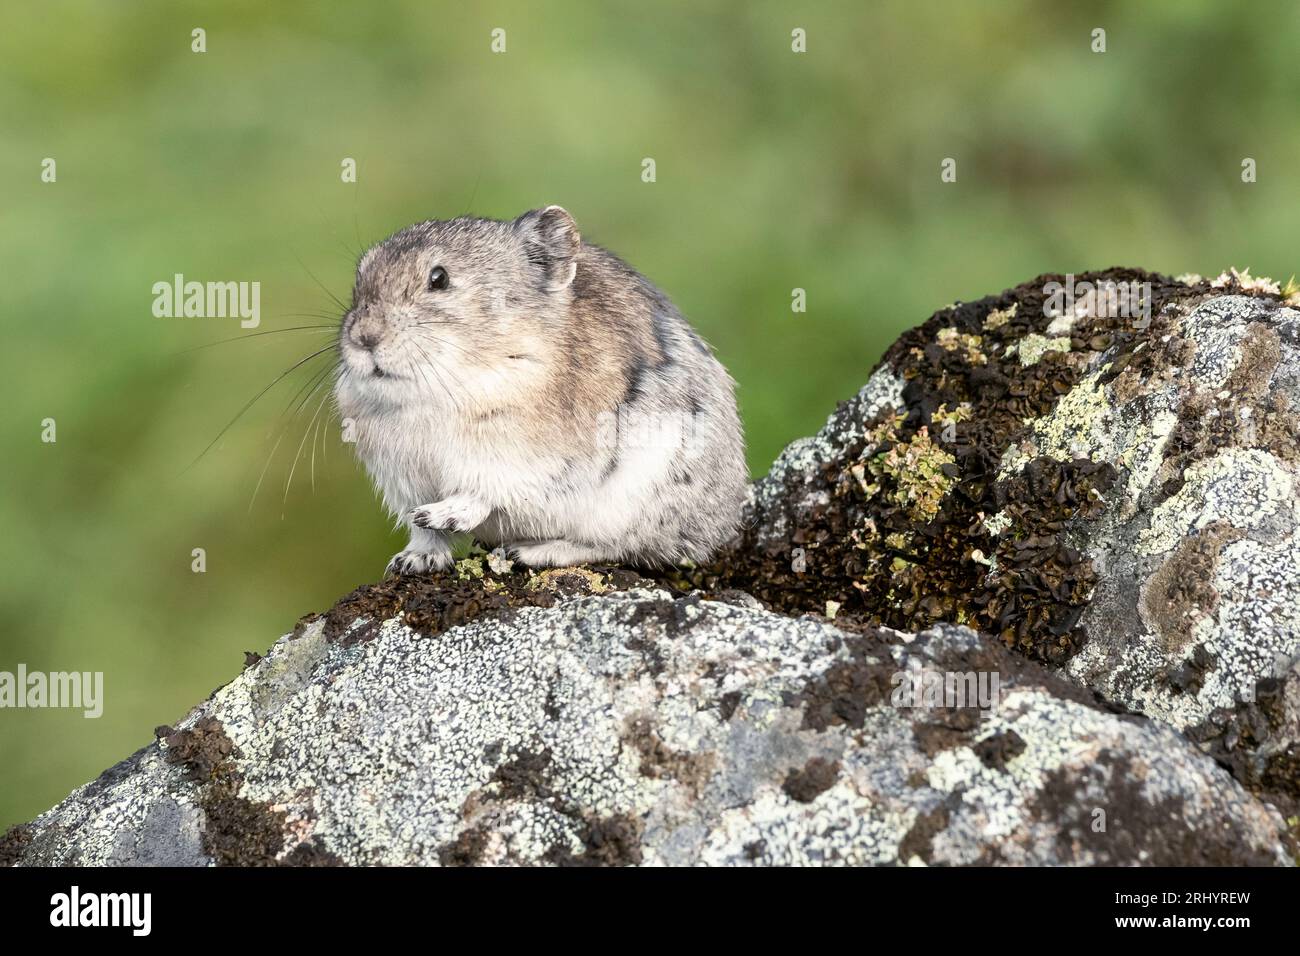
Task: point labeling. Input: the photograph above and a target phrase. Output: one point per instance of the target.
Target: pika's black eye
(438, 278)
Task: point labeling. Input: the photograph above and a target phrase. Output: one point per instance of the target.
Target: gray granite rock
(634, 728)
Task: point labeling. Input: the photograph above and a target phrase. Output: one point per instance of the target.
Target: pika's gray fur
(539, 394)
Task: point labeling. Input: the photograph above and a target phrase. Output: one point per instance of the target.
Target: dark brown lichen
(918, 841)
(236, 831)
(606, 840)
(814, 778)
(524, 775)
(1245, 739)
(200, 750)
(945, 728)
(433, 603)
(1034, 597)
(660, 761)
(613, 840)
(240, 832)
(1182, 589)
(1256, 416)
(842, 694)
(996, 750)
(466, 850)
(896, 534)
(1104, 813)
(313, 853)
(14, 843)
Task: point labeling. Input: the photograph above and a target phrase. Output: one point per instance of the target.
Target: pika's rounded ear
(552, 241)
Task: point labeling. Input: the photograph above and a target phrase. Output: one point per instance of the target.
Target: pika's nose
(366, 332)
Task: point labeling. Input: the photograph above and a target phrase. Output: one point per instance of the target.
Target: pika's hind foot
(555, 554)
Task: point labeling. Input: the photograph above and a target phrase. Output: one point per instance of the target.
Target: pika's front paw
(433, 519)
(457, 513)
(417, 562)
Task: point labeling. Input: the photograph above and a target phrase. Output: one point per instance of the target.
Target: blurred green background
(775, 170)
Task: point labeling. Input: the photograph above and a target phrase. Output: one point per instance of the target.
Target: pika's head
(462, 312)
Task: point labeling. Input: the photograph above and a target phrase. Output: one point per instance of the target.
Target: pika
(511, 381)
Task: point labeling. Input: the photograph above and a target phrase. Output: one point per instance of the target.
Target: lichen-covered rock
(1198, 549)
(1112, 494)
(641, 728)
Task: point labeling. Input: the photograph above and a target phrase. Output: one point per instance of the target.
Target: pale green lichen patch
(1000, 317)
(470, 568)
(1068, 431)
(953, 340)
(997, 523)
(947, 418)
(1033, 347)
(897, 540)
(1241, 487)
(1062, 325)
(909, 473)
(1085, 424)
(1078, 419)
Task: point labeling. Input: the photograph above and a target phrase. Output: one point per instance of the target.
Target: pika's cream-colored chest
(420, 458)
